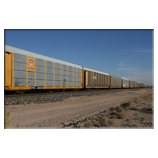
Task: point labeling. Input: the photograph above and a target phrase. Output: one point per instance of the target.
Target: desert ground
(125, 109)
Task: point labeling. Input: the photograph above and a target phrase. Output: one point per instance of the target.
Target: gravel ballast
(48, 98)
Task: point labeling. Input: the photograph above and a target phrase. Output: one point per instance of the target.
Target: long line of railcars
(25, 70)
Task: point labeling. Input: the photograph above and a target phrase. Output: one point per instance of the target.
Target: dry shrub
(103, 120)
(133, 107)
(17, 125)
(7, 121)
(136, 100)
(125, 105)
(88, 125)
(111, 121)
(120, 115)
(145, 97)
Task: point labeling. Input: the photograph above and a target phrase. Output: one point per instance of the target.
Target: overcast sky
(124, 53)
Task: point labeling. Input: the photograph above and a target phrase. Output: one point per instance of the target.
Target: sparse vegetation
(17, 125)
(133, 107)
(88, 125)
(7, 121)
(120, 115)
(136, 100)
(125, 105)
(103, 120)
(111, 121)
(17, 101)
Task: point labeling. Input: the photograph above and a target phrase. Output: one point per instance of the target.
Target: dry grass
(8, 122)
(103, 120)
(120, 115)
(111, 121)
(125, 105)
(88, 125)
(136, 100)
(133, 107)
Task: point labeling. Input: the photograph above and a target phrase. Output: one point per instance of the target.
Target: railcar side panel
(115, 82)
(131, 84)
(96, 80)
(125, 83)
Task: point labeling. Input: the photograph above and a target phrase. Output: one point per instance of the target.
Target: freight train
(25, 71)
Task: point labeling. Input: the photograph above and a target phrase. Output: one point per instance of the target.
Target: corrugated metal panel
(40, 76)
(40, 82)
(30, 82)
(78, 84)
(19, 58)
(64, 81)
(30, 78)
(30, 75)
(57, 77)
(125, 82)
(40, 62)
(57, 83)
(116, 81)
(97, 80)
(70, 69)
(31, 54)
(20, 66)
(49, 83)
(19, 82)
(49, 64)
(57, 66)
(64, 67)
(49, 71)
(131, 84)
(70, 84)
(64, 73)
(49, 77)
(19, 74)
(40, 69)
(70, 79)
(70, 74)
(79, 80)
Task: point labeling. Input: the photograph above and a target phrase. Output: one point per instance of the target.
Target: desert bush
(133, 107)
(125, 105)
(111, 121)
(17, 125)
(103, 120)
(17, 101)
(120, 115)
(145, 97)
(136, 100)
(7, 121)
(88, 125)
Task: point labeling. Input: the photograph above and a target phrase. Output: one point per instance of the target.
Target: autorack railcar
(26, 70)
(124, 82)
(115, 81)
(96, 79)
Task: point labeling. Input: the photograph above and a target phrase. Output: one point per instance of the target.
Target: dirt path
(50, 115)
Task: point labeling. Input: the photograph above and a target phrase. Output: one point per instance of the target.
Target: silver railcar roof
(124, 78)
(95, 71)
(38, 56)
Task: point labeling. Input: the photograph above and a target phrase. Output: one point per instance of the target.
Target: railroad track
(60, 92)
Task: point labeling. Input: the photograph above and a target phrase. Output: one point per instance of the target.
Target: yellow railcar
(25, 70)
